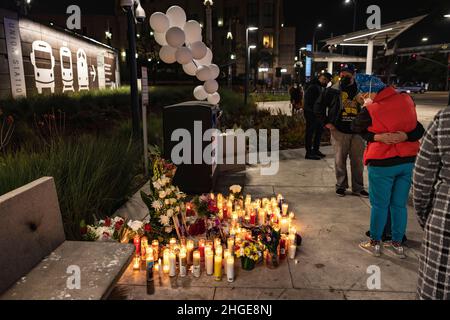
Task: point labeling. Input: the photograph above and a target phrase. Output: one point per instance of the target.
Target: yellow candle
(209, 258)
(219, 250)
(189, 251)
(230, 268)
(218, 268)
(196, 266)
(166, 262)
(284, 208)
(284, 225)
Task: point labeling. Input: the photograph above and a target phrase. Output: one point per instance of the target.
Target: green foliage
(93, 175)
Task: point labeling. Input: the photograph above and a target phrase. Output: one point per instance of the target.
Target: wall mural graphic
(54, 61)
(43, 62)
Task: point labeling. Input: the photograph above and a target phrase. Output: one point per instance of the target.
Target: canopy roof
(385, 34)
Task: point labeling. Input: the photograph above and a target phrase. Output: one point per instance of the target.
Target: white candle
(136, 264)
(230, 269)
(166, 263)
(172, 264)
(226, 254)
(230, 244)
(196, 266)
(292, 251)
(183, 262)
(284, 208)
(209, 261)
(190, 250)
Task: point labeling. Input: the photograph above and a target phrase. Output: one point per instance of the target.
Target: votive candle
(218, 268)
(189, 251)
(183, 262)
(292, 251)
(196, 266)
(230, 268)
(209, 262)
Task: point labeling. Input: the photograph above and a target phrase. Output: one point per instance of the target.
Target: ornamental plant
(249, 249)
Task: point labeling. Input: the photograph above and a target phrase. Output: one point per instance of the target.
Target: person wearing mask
(431, 197)
(389, 123)
(314, 127)
(296, 94)
(337, 107)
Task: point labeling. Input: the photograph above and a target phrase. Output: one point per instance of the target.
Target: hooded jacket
(391, 112)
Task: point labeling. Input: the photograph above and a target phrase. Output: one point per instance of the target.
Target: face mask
(346, 81)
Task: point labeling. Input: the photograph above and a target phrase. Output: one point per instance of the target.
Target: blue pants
(389, 190)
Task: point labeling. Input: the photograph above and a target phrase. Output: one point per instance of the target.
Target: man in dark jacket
(337, 107)
(314, 127)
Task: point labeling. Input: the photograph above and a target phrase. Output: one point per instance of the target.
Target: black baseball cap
(348, 67)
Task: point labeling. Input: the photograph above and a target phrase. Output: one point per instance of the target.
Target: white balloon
(207, 60)
(211, 86)
(167, 54)
(177, 16)
(193, 31)
(200, 93)
(190, 68)
(175, 37)
(183, 55)
(199, 50)
(160, 38)
(215, 71)
(159, 22)
(214, 98)
(203, 73)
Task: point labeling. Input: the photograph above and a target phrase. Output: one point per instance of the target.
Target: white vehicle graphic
(41, 55)
(82, 70)
(66, 69)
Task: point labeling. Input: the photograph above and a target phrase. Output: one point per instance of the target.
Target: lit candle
(156, 267)
(155, 247)
(149, 258)
(284, 225)
(229, 208)
(220, 214)
(209, 261)
(183, 262)
(172, 264)
(219, 250)
(226, 254)
(211, 196)
(284, 208)
(292, 239)
(230, 244)
(217, 242)
(172, 243)
(262, 217)
(252, 217)
(166, 262)
(292, 251)
(144, 245)
(137, 244)
(292, 230)
(201, 248)
(291, 215)
(218, 268)
(137, 263)
(247, 219)
(160, 269)
(230, 268)
(196, 265)
(283, 246)
(189, 251)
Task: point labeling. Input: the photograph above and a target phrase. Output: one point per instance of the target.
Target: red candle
(283, 246)
(137, 244)
(201, 248)
(253, 218)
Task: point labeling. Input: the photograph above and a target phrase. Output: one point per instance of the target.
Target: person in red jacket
(389, 124)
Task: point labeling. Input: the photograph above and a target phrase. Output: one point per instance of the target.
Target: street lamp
(135, 14)
(247, 62)
(424, 39)
(355, 3)
(318, 27)
(208, 4)
(447, 16)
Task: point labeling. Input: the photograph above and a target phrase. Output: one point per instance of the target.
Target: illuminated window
(268, 41)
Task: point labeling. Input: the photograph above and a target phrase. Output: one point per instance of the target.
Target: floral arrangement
(249, 249)
(165, 201)
(109, 229)
(270, 238)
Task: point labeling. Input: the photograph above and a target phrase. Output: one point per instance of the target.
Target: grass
(93, 175)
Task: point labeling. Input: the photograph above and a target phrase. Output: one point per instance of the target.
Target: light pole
(208, 4)
(247, 61)
(318, 27)
(134, 15)
(230, 66)
(355, 3)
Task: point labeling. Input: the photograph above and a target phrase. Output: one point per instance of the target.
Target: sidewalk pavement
(328, 265)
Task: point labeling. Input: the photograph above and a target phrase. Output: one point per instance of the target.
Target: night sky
(338, 18)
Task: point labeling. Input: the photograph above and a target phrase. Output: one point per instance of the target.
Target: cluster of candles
(210, 255)
(183, 256)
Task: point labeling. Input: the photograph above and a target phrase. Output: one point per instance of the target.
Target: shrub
(93, 175)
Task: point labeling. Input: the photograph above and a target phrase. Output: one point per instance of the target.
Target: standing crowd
(375, 126)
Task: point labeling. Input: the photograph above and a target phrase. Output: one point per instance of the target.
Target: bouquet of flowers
(205, 205)
(270, 239)
(249, 252)
(109, 229)
(165, 201)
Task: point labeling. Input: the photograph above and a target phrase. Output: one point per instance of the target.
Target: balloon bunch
(181, 41)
